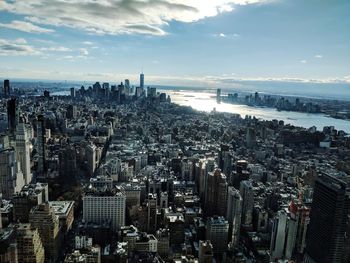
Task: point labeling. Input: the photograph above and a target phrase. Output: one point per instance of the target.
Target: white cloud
(88, 43)
(84, 51)
(119, 17)
(56, 49)
(25, 27)
(18, 47)
(319, 56)
(224, 35)
(303, 61)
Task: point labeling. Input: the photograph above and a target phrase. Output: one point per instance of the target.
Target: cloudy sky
(188, 42)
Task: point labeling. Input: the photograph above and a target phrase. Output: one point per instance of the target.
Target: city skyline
(176, 42)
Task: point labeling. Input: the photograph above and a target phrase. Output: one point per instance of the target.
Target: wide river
(205, 101)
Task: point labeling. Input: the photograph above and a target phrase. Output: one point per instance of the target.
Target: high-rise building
(11, 176)
(328, 219)
(72, 93)
(217, 233)
(23, 151)
(152, 213)
(246, 190)
(142, 81)
(41, 145)
(216, 194)
(29, 245)
(205, 252)
(44, 219)
(67, 162)
(251, 137)
(225, 159)
(12, 114)
(6, 90)
(30, 196)
(218, 95)
(91, 158)
(234, 213)
(8, 246)
(105, 206)
(278, 236)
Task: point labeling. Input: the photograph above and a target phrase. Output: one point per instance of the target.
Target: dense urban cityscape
(118, 173)
(174, 131)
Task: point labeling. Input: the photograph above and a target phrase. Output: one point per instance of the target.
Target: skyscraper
(328, 218)
(218, 95)
(11, 176)
(12, 114)
(215, 198)
(41, 145)
(6, 87)
(44, 219)
(246, 190)
(23, 151)
(142, 81)
(217, 233)
(29, 245)
(234, 213)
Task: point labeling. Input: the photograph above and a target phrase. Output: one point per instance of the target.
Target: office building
(246, 191)
(278, 236)
(105, 206)
(11, 176)
(44, 219)
(23, 151)
(6, 90)
(218, 95)
(30, 196)
(64, 210)
(41, 146)
(205, 253)
(8, 246)
(216, 193)
(12, 114)
(151, 213)
(328, 219)
(217, 232)
(29, 245)
(234, 213)
(142, 81)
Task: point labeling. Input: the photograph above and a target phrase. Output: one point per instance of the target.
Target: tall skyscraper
(246, 190)
(6, 90)
(234, 213)
(217, 233)
(11, 176)
(152, 213)
(29, 245)
(12, 114)
(215, 198)
(23, 151)
(328, 219)
(278, 235)
(142, 81)
(44, 219)
(218, 95)
(41, 145)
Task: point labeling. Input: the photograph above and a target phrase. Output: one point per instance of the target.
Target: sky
(176, 42)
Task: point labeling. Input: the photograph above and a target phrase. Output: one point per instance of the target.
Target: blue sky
(176, 42)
